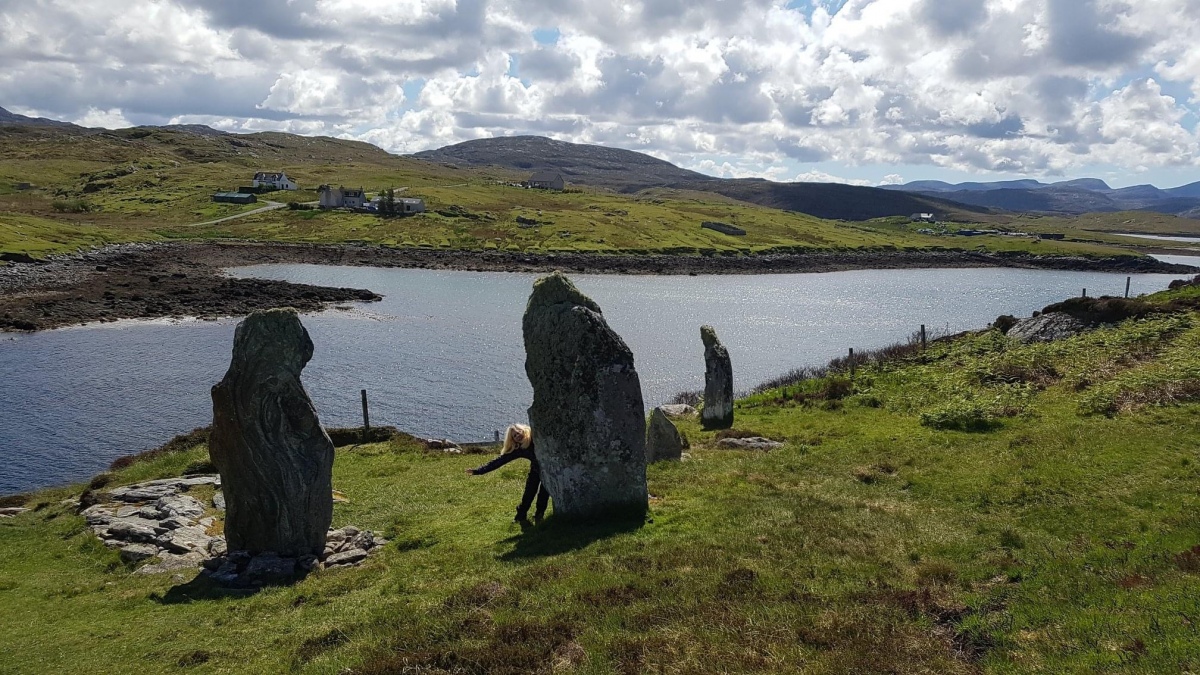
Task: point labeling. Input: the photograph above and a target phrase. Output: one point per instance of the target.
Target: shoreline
(187, 279)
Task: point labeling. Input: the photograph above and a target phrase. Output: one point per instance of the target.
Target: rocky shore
(187, 280)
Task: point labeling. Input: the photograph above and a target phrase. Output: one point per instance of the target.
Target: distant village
(386, 202)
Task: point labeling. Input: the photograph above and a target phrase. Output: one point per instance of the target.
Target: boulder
(753, 443)
(181, 506)
(275, 460)
(717, 412)
(588, 418)
(679, 411)
(663, 441)
(1047, 327)
(169, 562)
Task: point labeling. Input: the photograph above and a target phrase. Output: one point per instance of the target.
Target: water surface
(442, 354)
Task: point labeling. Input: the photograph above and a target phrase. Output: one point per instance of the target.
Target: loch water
(442, 355)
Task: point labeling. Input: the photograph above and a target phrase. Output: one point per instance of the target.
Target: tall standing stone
(663, 442)
(718, 382)
(276, 461)
(588, 419)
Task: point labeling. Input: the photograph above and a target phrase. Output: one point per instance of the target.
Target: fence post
(922, 337)
(366, 416)
(1127, 280)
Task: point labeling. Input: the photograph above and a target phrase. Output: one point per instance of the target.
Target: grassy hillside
(155, 183)
(982, 506)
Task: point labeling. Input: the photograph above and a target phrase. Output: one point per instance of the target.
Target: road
(271, 206)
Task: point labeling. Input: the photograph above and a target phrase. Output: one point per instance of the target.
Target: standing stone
(663, 441)
(588, 419)
(276, 461)
(717, 412)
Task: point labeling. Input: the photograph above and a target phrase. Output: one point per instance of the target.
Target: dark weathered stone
(276, 462)
(717, 412)
(663, 442)
(588, 419)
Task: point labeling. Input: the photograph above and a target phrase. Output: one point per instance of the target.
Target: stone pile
(679, 411)
(157, 519)
(346, 547)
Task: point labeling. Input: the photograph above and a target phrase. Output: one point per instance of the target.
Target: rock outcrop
(663, 442)
(588, 418)
(276, 461)
(1047, 327)
(157, 523)
(717, 412)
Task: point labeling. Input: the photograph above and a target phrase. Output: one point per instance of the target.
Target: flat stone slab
(349, 557)
(135, 553)
(10, 511)
(754, 443)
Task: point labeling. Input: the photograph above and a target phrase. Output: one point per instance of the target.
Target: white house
(922, 218)
(275, 181)
(547, 180)
(341, 197)
(404, 205)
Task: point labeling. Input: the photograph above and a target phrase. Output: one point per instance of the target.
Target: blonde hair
(517, 436)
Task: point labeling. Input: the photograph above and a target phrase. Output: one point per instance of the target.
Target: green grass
(148, 184)
(1060, 536)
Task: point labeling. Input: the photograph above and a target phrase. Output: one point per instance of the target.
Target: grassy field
(155, 184)
(980, 506)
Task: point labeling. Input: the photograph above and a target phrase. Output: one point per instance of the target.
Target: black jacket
(519, 453)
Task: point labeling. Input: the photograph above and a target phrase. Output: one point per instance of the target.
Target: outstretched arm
(493, 465)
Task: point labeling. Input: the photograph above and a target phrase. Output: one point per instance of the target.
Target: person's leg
(543, 498)
(531, 487)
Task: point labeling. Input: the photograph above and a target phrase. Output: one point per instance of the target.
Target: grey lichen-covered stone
(679, 411)
(663, 442)
(1047, 327)
(275, 460)
(752, 443)
(589, 429)
(349, 557)
(717, 412)
(135, 553)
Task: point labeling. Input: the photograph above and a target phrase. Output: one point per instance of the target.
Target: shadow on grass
(561, 535)
(203, 588)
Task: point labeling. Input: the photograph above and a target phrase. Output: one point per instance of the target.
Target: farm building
(273, 181)
(547, 180)
(405, 206)
(234, 198)
(341, 197)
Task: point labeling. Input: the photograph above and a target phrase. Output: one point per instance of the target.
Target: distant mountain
(1072, 197)
(7, 117)
(628, 171)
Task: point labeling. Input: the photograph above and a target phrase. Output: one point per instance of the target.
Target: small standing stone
(717, 412)
(663, 441)
(276, 461)
(588, 417)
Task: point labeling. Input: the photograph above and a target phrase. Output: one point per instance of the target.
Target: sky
(865, 91)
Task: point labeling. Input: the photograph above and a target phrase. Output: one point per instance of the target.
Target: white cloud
(1039, 87)
(108, 119)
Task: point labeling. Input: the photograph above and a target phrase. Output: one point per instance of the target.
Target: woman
(518, 444)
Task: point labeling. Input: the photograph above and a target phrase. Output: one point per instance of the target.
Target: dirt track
(186, 279)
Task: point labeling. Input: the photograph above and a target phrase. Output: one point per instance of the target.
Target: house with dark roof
(273, 181)
(547, 180)
(234, 198)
